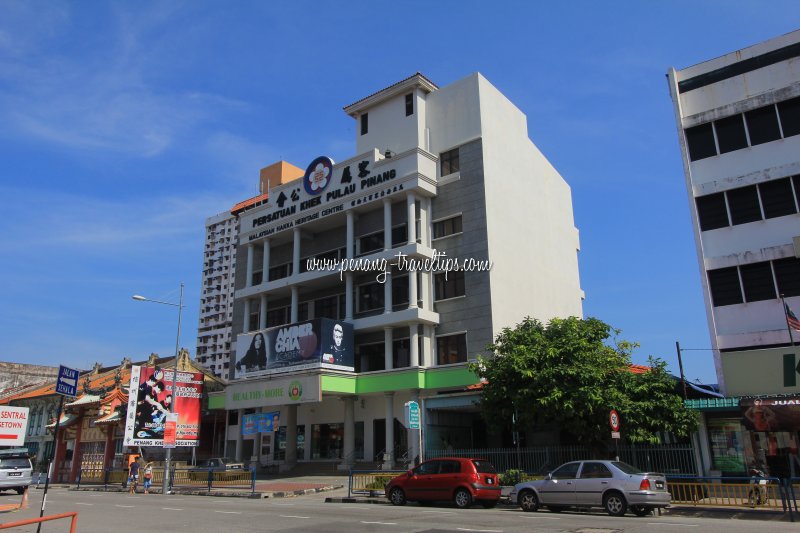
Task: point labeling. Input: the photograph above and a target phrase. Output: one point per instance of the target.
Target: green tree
(571, 373)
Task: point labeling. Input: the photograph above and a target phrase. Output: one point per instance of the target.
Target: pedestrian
(148, 476)
(133, 476)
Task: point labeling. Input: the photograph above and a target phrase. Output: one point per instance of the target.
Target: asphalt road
(113, 512)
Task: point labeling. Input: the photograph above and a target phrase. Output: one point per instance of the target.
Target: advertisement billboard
(13, 424)
(260, 423)
(149, 399)
(316, 343)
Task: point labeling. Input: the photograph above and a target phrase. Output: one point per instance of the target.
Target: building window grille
(700, 141)
(789, 112)
(725, 287)
(730, 134)
(449, 162)
(370, 297)
(451, 287)
(777, 198)
(757, 282)
(787, 274)
(451, 349)
(744, 206)
(762, 125)
(445, 228)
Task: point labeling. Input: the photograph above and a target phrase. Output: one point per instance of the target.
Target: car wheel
(397, 496)
(528, 501)
(555, 508)
(640, 510)
(462, 498)
(489, 504)
(615, 504)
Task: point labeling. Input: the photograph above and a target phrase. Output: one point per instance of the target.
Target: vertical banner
(170, 430)
(150, 400)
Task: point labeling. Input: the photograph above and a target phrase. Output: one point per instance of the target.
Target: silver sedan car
(613, 485)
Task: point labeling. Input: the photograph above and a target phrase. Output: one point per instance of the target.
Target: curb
(218, 493)
(301, 492)
(357, 500)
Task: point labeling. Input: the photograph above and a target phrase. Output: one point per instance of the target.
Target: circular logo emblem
(318, 175)
(295, 390)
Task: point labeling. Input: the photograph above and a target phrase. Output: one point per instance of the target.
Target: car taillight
(645, 484)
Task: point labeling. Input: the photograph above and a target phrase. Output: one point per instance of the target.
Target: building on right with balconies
(738, 119)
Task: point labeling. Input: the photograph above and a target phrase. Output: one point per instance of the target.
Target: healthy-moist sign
(258, 393)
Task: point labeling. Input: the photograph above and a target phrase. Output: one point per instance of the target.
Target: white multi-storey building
(738, 120)
(437, 172)
(217, 291)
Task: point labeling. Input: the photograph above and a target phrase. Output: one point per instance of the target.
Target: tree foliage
(571, 373)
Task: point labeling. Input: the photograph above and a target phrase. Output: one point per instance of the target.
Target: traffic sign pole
(50, 461)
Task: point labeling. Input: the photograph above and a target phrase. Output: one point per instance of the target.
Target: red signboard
(613, 419)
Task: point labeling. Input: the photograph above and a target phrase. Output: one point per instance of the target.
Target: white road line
(126, 506)
(439, 512)
(292, 516)
(671, 524)
(283, 504)
(539, 517)
(81, 503)
(481, 530)
(381, 523)
(171, 509)
(229, 512)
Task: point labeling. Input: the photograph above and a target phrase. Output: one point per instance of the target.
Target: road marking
(439, 512)
(481, 530)
(171, 509)
(81, 503)
(381, 523)
(671, 524)
(292, 516)
(539, 517)
(229, 512)
(126, 506)
(283, 504)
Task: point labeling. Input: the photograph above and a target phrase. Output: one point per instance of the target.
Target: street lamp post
(168, 462)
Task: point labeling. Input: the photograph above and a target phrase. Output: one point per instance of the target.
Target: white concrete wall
(389, 127)
(453, 115)
(533, 242)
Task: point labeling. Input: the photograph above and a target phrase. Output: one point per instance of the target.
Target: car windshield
(484, 467)
(628, 469)
(14, 462)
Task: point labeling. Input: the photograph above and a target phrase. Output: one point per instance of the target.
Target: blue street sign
(67, 382)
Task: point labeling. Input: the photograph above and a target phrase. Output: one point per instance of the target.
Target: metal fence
(190, 478)
(370, 482)
(666, 458)
(767, 494)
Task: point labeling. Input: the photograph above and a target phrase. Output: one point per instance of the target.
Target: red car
(462, 481)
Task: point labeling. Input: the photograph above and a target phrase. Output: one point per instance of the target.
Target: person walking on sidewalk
(148, 476)
(133, 476)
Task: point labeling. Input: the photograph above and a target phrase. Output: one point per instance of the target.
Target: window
(364, 123)
(449, 162)
(700, 142)
(712, 212)
(370, 243)
(252, 322)
(744, 206)
(277, 317)
(280, 271)
(762, 124)
(401, 357)
(757, 282)
(451, 287)
(302, 311)
(789, 112)
(595, 470)
(451, 349)
(568, 471)
(370, 297)
(724, 286)
(258, 277)
(330, 307)
(777, 198)
(428, 469)
(444, 228)
(409, 104)
(450, 467)
(730, 134)
(787, 274)
(400, 291)
(399, 235)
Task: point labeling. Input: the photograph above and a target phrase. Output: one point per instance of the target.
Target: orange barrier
(30, 521)
(16, 506)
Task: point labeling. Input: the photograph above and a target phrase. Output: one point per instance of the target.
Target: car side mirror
(549, 477)
(410, 473)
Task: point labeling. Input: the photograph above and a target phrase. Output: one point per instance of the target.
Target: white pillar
(295, 303)
(412, 289)
(427, 346)
(387, 224)
(411, 208)
(424, 219)
(296, 252)
(248, 282)
(262, 313)
(239, 436)
(265, 268)
(413, 348)
(350, 235)
(246, 327)
(348, 296)
(291, 436)
(349, 433)
(426, 290)
(388, 340)
(388, 464)
(387, 292)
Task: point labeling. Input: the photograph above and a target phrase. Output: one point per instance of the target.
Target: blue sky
(123, 125)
